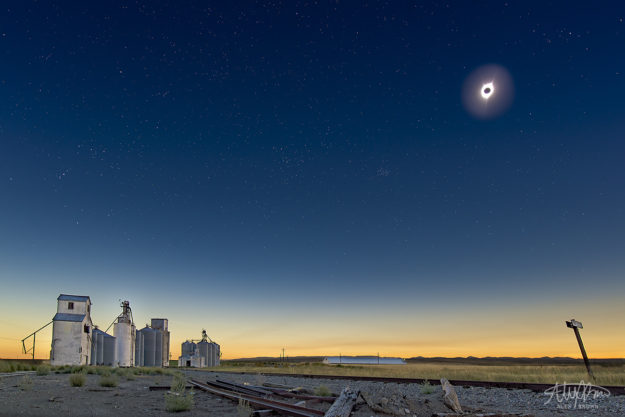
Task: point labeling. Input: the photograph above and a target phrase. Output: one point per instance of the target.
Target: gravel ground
(51, 395)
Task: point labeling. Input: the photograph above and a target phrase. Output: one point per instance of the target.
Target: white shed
(71, 331)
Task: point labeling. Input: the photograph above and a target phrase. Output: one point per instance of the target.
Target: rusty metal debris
(253, 400)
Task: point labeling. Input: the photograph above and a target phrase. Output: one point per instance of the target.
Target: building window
(70, 305)
(86, 328)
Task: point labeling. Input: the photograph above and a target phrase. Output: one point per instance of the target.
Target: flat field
(548, 374)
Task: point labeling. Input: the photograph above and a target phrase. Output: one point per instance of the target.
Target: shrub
(176, 401)
(323, 391)
(77, 380)
(75, 369)
(178, 383)
(426, 387)
(43, 370)
(108, 381)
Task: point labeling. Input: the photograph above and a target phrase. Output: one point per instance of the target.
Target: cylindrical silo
(139, 349)
(210, 358)
(158, 348)
(217, 356)
(188, 348)
(100, 358)
(108, 351)
(149, 346)
(204, 349)
(123, 343)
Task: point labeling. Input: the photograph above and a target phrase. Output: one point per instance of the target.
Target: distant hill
(506, 360)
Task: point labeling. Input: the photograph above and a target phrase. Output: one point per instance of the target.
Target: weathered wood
(343, 405)
(450, 398)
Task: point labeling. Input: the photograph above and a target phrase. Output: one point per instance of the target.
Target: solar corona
(488, 92)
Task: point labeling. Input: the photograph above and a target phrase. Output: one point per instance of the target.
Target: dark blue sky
(291, 147)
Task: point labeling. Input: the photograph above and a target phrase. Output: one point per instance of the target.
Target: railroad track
(614, 390)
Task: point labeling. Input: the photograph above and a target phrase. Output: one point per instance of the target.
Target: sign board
(574, 323)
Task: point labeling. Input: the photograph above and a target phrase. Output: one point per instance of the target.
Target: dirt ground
(52, 395)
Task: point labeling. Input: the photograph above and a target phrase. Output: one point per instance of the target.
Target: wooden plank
(343, 405)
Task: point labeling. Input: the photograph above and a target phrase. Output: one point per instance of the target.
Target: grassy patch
(178, 383)
(548, 374)
(77, 380)
(16, 366)
(108, 381)
(177, 399)
(323, 391)
(426, 387)
(43, 370)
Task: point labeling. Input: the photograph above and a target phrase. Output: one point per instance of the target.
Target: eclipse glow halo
(488, 91)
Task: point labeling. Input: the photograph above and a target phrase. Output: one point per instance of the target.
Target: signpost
(576, 325)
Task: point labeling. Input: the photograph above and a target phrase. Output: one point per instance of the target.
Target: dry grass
(605, 375)
(108, 381)
(77, 380)
(177, 400)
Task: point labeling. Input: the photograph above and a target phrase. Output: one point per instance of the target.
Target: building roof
(364, 360)
(105, 334)
(69, 297)
(69, 317)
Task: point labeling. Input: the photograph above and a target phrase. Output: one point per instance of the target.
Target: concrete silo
(124, 332)
(161, 326)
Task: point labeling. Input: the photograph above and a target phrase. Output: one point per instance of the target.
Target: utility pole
(576, 325)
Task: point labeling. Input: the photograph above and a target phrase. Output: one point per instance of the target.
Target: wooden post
(576, 325)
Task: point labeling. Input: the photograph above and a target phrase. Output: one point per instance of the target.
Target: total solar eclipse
(488, 91)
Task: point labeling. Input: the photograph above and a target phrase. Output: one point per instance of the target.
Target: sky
(307, 176)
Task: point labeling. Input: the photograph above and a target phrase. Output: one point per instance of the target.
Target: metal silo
(188, 348)
(100, 358)
(217, 357)
(139, 349)
(149, 346)
(158, 348)
(124, 331)
(108, 351)
(204, 349)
